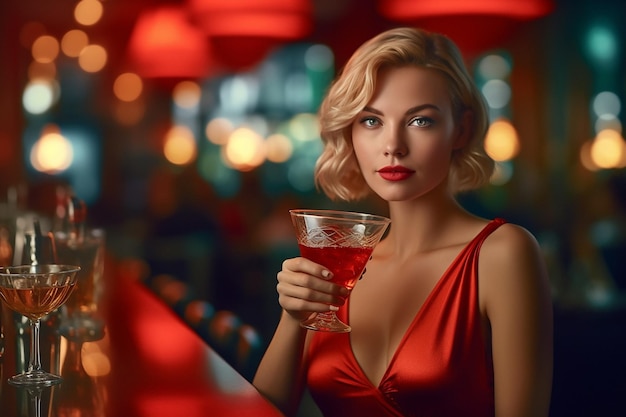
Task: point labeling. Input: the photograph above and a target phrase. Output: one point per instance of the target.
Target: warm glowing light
(73, 42)
(92, 58)
(88, 12)
(164, 44)
(39, 96)
(47, 71)
(128, 86)
(585, 157)
(607, 149)
(279, 148)
(501, 142)
(245, 149)
(96, 363)
(52, 153)
(187, 94)
(45, 49)
(180, 146)
(218, 130)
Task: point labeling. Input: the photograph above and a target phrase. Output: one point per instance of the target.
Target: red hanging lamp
(475, 25)
(243, 32)
(165, 45)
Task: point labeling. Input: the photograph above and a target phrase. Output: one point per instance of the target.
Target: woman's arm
(303, 289)
(280, 377)
(517, 300)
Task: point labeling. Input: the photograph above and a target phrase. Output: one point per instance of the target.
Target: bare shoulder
(511, 264)
(509, 245)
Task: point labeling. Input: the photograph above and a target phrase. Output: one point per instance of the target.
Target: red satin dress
(441, 368)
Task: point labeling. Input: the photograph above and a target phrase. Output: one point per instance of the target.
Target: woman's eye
(422, 121)
(369, 121)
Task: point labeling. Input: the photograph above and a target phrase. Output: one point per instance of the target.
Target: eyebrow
(409, 111)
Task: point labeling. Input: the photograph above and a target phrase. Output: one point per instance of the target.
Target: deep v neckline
(420, 311)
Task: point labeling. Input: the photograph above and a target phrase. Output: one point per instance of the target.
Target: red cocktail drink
(346, 264)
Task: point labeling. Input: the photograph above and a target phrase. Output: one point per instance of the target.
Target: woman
(437, 330)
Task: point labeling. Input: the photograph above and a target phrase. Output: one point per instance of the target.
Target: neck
(420, 225)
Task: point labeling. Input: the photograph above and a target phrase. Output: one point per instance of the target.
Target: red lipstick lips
(395, 173)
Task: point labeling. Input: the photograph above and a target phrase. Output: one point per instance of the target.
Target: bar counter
(146, 362)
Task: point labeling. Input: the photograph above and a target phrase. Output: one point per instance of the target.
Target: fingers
(304, 287)
(306, 266)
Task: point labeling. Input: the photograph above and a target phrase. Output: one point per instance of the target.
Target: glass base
(326, 322)
(35, 379)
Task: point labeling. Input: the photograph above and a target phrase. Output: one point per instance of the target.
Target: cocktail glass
(343, 242)
(34, 291)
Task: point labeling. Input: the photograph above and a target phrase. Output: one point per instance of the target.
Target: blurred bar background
(188, 128)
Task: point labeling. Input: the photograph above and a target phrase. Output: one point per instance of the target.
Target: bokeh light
(39, 96)
(279, 148)
(602, 44)
(245, 149)
(187, 94)
(494, 67)
(52, 153)
(608, 149)
(180, 146)
(497, 93)
(128, 87)
(45, 49)
(606, 102)
(608, 121)
(92, 58)
(218, 130)
(319, 58)
(73, 42)
(502, 142)
(88, 12)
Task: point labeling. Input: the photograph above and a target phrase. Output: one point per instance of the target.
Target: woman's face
(404, 138)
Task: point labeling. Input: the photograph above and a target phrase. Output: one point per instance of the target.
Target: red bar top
(160, 367)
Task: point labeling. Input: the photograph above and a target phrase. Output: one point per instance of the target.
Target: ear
(464, 129)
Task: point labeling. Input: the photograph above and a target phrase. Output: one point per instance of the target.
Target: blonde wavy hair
(337, 171)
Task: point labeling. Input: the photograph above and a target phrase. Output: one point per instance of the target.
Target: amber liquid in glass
(36, 302)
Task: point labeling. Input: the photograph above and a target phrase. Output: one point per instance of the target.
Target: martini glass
(34, 291)
(343, 242)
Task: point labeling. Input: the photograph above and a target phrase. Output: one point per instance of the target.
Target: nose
(395, 145)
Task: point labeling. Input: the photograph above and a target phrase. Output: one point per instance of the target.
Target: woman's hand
(304, 288)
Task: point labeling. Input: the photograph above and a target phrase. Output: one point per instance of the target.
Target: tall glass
(80, 312)
(34, 291)
(341, 241)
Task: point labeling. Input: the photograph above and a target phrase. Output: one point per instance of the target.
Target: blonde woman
(453, 316)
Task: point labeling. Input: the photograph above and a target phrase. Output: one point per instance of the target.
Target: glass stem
(34, 362)
(36, 401)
